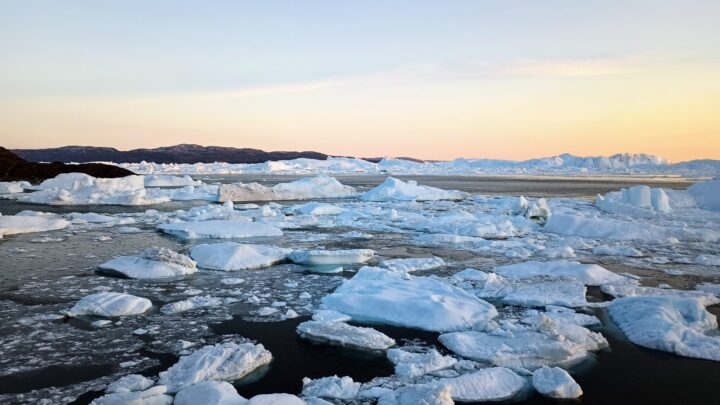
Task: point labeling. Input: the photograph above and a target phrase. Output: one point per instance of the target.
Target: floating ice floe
(393, 189)
(79, 188)
(559, 315)
(129, 383)
(190, 304)
(707, 260)
(555, 383)
(302, 189)
(229, 256)
(219, 229)
(673, 324)
(110, 304)
(342, 334)
(487, 384)
(330, 257)
(330, 387)
(209, 393)
(412, 365)
(476, 225)
(547, 343)
(418, 394)
(383, 296)
(627, 251)
(709, 288)
(638, 201)
(412, 264)
(155, 262)
(275, 399)
(221, 362)
(326, 315)
(588, 274)
(622, 291)
(533, 291)
(316, 208)
(160, 180)
(706, 194)
(25, 223)
(151, 396)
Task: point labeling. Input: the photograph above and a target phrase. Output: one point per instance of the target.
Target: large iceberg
(230, 256)
(673, 324)
(79, 188)
(393, 189)
(219, 229)
(302, 189)
(385, 296)
(222, 362)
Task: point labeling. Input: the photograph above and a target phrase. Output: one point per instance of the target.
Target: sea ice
(384, 296)
(487, 384)
(219, 229)
(302, 189)
(331, 257)
(15, 224)
(160, 180)
(129, 383)
(330, 387)
(412, 264)
(588, 274)
(418, 395)
(641, 201)
(622, 291)
(412, 365)
(152, 396)
(154, 263)
(555, 383)
(275, 399)
(221, 362)
(673, 324)
(110, 304)
(230, 256)
(393, 189)
(342, 334)
(190, 304)
(209, 393)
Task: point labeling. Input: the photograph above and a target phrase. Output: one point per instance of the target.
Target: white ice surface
(209, 393)
(16, 224)
(342, 334)
(588, 274)
(230, 256)
(412, 264)
(110, 304)
(219, 229)
(330, 387)
(555, 383)
(331, 257)
(393, 189)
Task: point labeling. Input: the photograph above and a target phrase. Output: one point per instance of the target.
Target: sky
(427, 79)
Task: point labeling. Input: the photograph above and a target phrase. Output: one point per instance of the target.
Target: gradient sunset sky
(428, 79)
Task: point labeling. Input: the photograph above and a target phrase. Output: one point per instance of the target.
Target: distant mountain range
(14, 168)
(184, 153)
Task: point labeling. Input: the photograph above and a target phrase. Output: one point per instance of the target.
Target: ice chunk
(153, 396)
(393, 189)
(330, 387)
(384, 296)
(709, 288)
(707, 194)
(487, 384)
(672, 324)
(209, 393)
(588, 274)
(275, 399)
(302, 189)
(413, 264)
(411, 365)
(15, 224)
(222, 362)
(331, 257)
(548, 344)
(190, 304)
(635, 201)
(621, 291)
(555, 383)
(155, 263)
(342, 334)
(418, 395)
(110, 304)
(617, 251)
(128, 383)
(236, 256)
(160, 180)
(12, 187)
(219, 229)
(316, 208)
(326, 315)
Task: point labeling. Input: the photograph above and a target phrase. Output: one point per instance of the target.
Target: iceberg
(555, 383)
(383, 296)
(639, 201)
(672, 324)
(418, 394)
(706, 194)
(153, 264)
(230, 256)
(109, 304)
(209, 393)
(152, 396)
(487, 384)
(393, 189)
(16, 224)
(330, 257)
(306, 188)
(412, 365)
(221, 362)
(330, 387)
(342, 334)
(219, 229)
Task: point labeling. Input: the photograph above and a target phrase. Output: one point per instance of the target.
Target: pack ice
(384, 296)
(302, 189)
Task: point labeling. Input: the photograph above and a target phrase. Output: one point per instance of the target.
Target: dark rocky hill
(13, 168)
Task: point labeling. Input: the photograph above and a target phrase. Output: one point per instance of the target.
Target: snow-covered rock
(555, 383)
(393, 189)
(673, 324)
(219, 229)
(209, 393)
(154, 263)
(330, 387)
(588, 274)
(330, 257)
(230, 256)
(384, 296)
(302, 189)
(221, 362)
(342, 334)
(110, 304)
